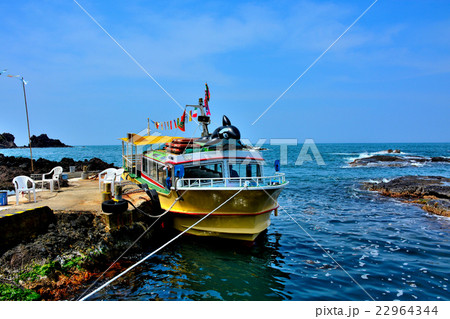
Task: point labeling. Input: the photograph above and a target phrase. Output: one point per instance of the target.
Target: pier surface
(81, 195)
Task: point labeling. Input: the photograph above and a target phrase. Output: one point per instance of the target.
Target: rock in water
(396, 160)
(433, 192)
(44, 141)
(7, 141)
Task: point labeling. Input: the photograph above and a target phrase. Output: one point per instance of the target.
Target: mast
(203, 119)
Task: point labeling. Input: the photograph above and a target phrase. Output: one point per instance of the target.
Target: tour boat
(203, 173)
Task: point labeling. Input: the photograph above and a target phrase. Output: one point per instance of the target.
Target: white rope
(324, 250)
(129, 247)
(129, 55)
(315, 61)
(163, 246)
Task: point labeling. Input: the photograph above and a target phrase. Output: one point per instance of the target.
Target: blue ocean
(331, 240)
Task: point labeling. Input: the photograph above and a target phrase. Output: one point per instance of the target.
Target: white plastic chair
(117, 179)
(108, 176)
(57, 171)
(21, 186)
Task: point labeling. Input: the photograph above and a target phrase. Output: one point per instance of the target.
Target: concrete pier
(27, 219)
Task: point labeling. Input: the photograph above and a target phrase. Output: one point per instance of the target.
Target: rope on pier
(163, 246)
(140, 236)
(321, 247)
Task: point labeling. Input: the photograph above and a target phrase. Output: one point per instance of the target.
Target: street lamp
(26, 111)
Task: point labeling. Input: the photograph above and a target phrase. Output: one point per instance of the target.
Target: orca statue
(224, 133)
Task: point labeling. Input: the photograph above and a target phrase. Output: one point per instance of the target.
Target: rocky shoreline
(431, 192)
(11, 167)
(76, 249)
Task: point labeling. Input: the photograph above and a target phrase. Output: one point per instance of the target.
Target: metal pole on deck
(28, 123)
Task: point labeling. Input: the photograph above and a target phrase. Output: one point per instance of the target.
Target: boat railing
(131, 163)
(200, 182)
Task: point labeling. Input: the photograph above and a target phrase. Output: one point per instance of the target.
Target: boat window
(242, 170)
(151, 169)
(205, 171)
(144, 165)
(162, 174)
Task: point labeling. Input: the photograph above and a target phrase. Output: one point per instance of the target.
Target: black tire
(143, 186)
(113, 207)
(156, 205)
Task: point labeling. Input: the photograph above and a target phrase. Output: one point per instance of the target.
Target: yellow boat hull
(244, 217)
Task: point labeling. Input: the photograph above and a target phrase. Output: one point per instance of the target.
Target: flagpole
(28, 123)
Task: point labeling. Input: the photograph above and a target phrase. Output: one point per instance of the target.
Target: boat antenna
(203, 119)
(148, 126)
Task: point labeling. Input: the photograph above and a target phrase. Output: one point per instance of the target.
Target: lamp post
(26, 110)
(28, 124)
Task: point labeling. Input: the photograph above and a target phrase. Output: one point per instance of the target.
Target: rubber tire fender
(114, 207)
(156, 204)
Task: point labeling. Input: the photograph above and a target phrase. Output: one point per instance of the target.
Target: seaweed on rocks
(75, 249)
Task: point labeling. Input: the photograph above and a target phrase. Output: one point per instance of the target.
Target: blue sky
(386, 80)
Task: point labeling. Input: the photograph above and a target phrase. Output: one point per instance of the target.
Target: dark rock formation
(11, 167)
(440, 159)
(7, 141)
(44, 141)
(433, 192)
(395, 160)
(76, 247)
(393, 151)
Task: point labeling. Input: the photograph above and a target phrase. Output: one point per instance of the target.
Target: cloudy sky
(386, 80)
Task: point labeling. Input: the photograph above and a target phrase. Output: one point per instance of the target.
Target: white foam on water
(365, 276)
(418, 164)
(400, 293)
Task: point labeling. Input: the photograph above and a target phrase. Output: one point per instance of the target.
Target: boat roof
(137, 139)
(169, 158)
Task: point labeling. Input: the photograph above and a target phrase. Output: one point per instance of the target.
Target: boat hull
(244, 217)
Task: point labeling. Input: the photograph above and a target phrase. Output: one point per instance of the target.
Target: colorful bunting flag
(195, 114)
(190, 115)
(181, 124)
(207, 96)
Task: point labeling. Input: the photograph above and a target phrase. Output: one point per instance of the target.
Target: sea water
(331, 240)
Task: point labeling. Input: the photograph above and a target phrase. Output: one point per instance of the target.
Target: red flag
(182, 121)
(207, 96)
(170, 124)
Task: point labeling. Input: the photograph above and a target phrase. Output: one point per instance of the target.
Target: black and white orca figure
(223, 134)
(226, 131)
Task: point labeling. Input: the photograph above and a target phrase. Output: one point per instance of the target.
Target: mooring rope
(163, 246)
(321, 247)
(129, 247)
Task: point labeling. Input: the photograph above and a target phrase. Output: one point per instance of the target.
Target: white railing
(277, 179)
(131, 163)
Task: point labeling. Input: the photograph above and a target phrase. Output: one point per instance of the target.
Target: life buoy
(174, 150)
(180, 146)
(183, 140)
